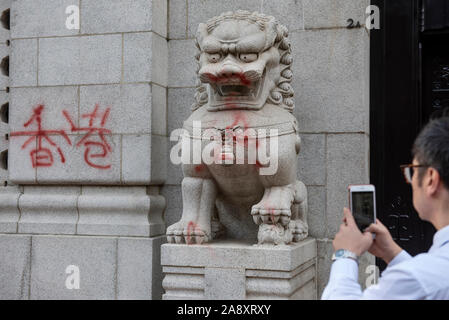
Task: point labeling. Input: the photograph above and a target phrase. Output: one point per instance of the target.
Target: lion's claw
(189, 233)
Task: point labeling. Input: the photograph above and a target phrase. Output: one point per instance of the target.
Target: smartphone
(362, 202)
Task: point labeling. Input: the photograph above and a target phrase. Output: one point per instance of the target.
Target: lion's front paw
(275, 206)
(265, 214)
(188, 232)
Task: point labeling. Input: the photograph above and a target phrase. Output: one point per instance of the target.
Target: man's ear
(433, 181)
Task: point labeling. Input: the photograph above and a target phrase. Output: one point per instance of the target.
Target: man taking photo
(424, 276)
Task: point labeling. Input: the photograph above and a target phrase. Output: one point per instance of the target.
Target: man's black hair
(431, 147)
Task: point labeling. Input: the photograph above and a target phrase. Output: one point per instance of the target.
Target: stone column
(87, 147)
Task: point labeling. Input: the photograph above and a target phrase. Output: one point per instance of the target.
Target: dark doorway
(409, 82)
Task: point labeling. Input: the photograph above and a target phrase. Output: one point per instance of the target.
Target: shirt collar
(440, 238)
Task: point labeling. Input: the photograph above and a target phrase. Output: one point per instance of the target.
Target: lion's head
(244, 61)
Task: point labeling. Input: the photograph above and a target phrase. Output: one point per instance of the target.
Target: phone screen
(363, 208)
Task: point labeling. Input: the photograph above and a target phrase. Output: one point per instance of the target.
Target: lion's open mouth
(237, 94)
(238, 90)
(248, 91)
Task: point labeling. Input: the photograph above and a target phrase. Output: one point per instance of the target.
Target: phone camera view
(363, 209)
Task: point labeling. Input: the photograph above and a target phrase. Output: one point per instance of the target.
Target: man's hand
(383, 246)
(350, 238)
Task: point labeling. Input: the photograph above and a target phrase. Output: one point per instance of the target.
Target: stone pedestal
(237, 271)
(38, 267)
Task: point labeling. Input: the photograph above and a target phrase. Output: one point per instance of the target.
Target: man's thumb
(374, 228)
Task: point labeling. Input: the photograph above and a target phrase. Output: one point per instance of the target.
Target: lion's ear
(201, 33)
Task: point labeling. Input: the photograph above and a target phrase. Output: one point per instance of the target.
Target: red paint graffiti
(40, 156)
(94, 148)
(89, 141)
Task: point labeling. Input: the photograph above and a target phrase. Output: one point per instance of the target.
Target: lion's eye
(214, 57)
(248, 57)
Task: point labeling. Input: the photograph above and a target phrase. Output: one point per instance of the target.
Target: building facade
(87, 186)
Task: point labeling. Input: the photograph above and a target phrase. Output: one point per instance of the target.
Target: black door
(409, 82)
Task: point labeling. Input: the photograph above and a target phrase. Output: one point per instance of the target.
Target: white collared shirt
(425, 276)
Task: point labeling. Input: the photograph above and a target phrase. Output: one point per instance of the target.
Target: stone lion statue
(244, 88)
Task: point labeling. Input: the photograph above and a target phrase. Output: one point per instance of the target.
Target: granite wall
(135, 60)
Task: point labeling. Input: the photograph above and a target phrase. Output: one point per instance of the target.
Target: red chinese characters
(96, 147)
(41, 156)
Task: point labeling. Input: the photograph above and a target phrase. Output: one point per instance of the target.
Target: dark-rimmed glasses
(407, 170)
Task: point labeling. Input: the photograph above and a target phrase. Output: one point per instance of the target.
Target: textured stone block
(329, 80)
(333, 13)
(325, 250)
(54, 101)
(179, 105)
(226, 270)
(136, 153)
(224, 284)
(108, 16)
(174, 171)
(347, 163)
(78, 164)
(20, 165)
(159, 19)
(80, 60)
(144, 159)
(4, 130)
(312, 159)
(120, 211)
(23, 63)
(139, 273)
(183, 283)
(130, 107)
(158, 110)
(4, 136)
(202, 10)
(289, 12)
(159, 158)
(232, 254)
(298, 284)
(15, 263)
(173, 210)
(94, 256)
(40, 18)
(4, 33)
(317, 211)
(4, 98)
(145, 58)
(9, 210)
(48, 210)
(4, 79)
(182, 67)
(177, 24)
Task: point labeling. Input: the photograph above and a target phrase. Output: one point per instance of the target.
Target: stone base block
(41, 267)
(231, 270)
(9, 211)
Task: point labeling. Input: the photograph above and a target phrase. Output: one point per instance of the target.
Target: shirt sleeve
(400, 257)
(397, 282)
(343, 281)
